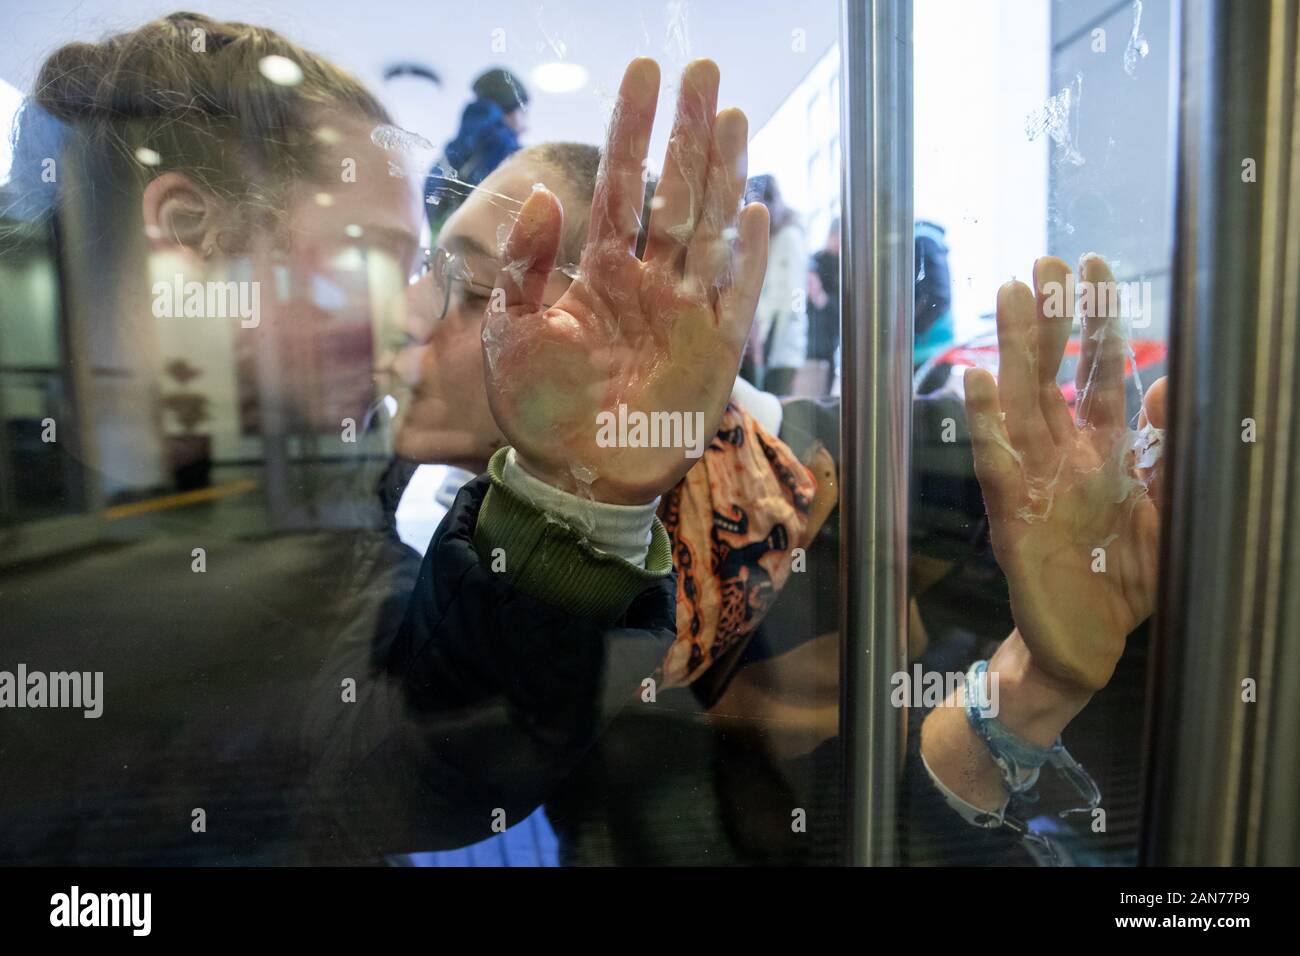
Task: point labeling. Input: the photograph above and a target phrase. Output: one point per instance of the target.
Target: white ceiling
(754, 42)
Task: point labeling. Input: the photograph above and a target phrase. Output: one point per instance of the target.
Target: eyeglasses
(445, 269)
(437, 262)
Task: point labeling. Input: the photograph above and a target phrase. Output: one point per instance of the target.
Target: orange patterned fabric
(733, 521)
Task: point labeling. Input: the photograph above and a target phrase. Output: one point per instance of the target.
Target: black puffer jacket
(472, 710)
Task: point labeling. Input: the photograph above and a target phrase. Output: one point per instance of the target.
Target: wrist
(600, 489)
(621, 530)
(1033, 704)
(549, 560)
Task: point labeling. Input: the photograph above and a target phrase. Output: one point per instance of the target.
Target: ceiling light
(559, 77)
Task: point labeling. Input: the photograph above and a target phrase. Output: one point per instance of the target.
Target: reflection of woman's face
(352, 244)
(448, 419)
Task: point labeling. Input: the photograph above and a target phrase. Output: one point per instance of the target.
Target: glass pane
(1041, 129)
(277, 285)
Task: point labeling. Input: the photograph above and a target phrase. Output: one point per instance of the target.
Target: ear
(177, 213)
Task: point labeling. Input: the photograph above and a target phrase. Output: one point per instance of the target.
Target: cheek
(454, 359)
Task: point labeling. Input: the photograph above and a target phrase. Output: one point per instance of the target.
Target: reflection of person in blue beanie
(489, 127)
(933, 317)
(489, 132)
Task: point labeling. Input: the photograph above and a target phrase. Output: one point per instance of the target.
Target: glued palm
(1073, 528)
(660, 334)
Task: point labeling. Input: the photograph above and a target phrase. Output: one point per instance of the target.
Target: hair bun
(68, 83)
